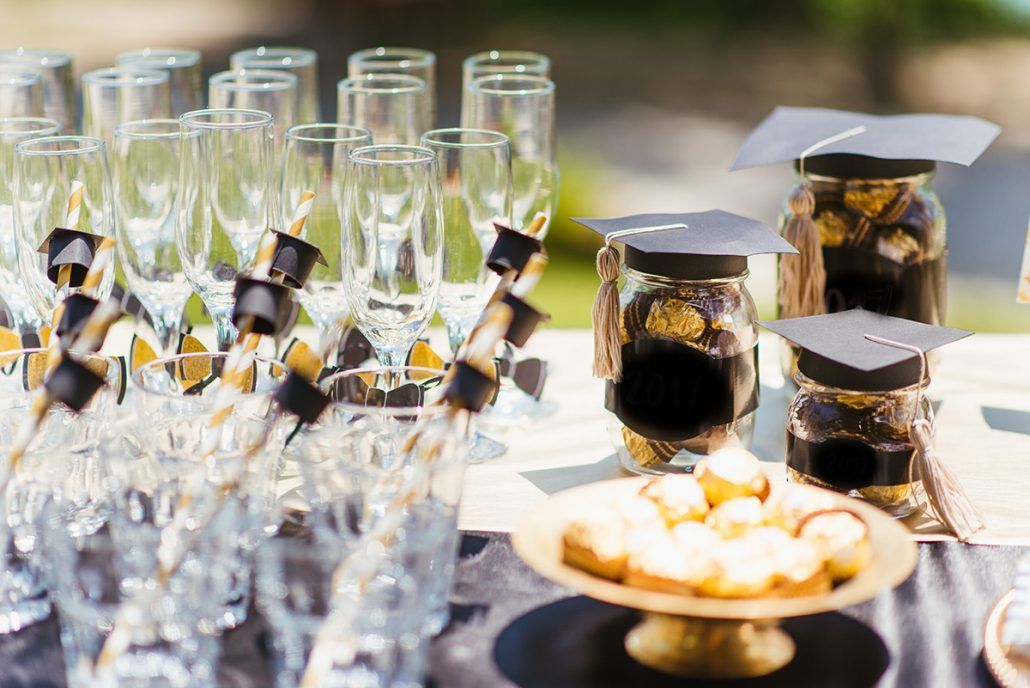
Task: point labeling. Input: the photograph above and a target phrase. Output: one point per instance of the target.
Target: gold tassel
(802, 277)
(607, 342)
(947, 501)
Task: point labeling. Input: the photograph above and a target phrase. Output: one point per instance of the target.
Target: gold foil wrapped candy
(647, 452)
(675, 319)
(899, 246)
(833, 228)
(870, 200)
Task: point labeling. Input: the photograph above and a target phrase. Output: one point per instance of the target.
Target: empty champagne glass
(522, 107)
(476, 191)
(392, 60)
(301, 62)
(315, 158)
(15, 294)
(146, 161)
(122, 94)
(59, 100)
(394, 107)
(21, 92)
(503, 62)
(183, 68)
(44, 170)
(224, 203)
(392, 245)
(274, 92)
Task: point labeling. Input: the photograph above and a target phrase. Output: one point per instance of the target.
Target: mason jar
(690, 370)
(882, 230)
(856, 442)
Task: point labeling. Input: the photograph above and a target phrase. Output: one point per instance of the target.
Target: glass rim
(367, 83)
(128, 130)
(367, 155)
(496, 138)
(48, 126)
(194, 118)
(86, 144)
(274, 54)
(297, 133)
(390, 411)
(137, 375)
(487, 58)
(265, 80)
(160, 58)
(60, 58)
(125, 75)
(540, 85)
(12, 74)
(393, 56)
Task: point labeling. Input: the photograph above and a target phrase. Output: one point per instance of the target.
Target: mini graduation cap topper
(688, 246)
(469, 388)
(836, 349)
(512, 250)
(899, 145)
(295, 259)
(73, 384)
(524, 320)
(75, 311)
(71, 247)
(268, 303)
(301, 398)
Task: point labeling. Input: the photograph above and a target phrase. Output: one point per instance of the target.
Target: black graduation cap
(73, 384)
(469, 388)
(706, 245)
(268, 303)
(69, 247)
(512, 250)
(890, 146)
(295, 259)
(524, 321)
(75, 312)
(300, 397)
(835, 351)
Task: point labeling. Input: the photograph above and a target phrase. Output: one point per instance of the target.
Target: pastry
(663, 566)
(597, 544)
(788, 505)
(678, 497)
(739, 571)
(843, 539)
(729, 473)
(735, 517)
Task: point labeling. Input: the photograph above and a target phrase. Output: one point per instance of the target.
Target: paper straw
(530, 276)
(74, 205)
(537, 224)
(300, 215)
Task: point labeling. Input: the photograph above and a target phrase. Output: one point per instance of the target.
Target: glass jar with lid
(678, 342)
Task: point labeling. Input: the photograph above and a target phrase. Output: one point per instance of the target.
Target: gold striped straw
(64, 274)
(530, 276)
(537, 224)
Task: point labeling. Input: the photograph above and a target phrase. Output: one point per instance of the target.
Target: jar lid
(836, 351)
(848, 166)
(689, 246)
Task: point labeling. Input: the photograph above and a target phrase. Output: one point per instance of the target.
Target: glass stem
(391, 358)
(166, 327)
(329, 340)
(225, 331)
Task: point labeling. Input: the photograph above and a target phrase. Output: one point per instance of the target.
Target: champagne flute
(15, 294)
(55, 66)
(183, 68)
(122, 94)
(394, 107)
(21, 92)
(224, 203)
(522, 107)
(301, 62)
(392, 245)
(315, 158)
(386, 60)
(44, 170)
(274, 92)
(503, 62)
(476, 191)
(146, 161)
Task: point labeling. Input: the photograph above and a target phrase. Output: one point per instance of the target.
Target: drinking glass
(21, 92)
(183, 68)
(476, 190)
(15, 294)
(394, 107)
(122, 94)
(146, 160)
(315, 159)
(385, 60)
(44, 170)
(271, 91)
(59, 100)
(392, 245)
(224, 205)
(503, 62)
(522, 107)
(301, 62)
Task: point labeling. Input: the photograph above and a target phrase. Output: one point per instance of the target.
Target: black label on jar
(673, 392)
(857, 278)
(846, 463)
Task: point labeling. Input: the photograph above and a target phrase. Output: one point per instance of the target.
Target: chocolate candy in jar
(864, 197)
(678, 342)
(848, 424)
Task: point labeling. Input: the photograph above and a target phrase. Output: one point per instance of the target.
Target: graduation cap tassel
(607, 342)
(947, 501)
(802, 277)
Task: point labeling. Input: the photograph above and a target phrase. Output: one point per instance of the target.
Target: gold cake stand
(701, 637)
(1008, 670)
